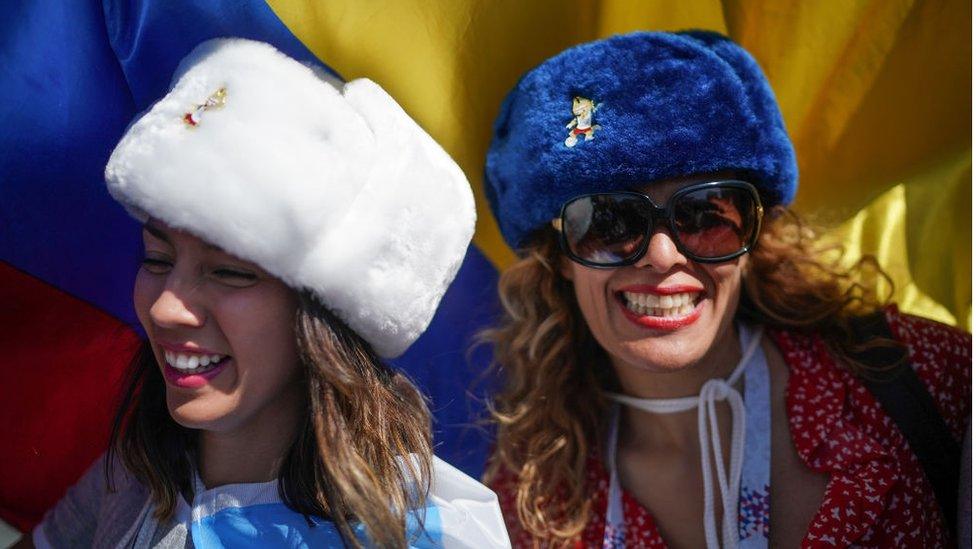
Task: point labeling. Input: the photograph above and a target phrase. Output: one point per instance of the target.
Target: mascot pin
(215, 101)
(582, 124)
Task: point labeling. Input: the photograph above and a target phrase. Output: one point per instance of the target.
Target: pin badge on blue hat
(677, 104)
(582, 122)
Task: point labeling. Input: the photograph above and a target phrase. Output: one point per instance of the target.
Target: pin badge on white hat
(215, 101)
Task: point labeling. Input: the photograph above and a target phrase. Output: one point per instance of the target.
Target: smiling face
(665, 313)
(221, 329)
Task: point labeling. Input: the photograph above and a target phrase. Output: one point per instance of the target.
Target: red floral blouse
(877, 495)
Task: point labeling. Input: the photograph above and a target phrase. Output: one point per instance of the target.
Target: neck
(252, 452)
(677, 430)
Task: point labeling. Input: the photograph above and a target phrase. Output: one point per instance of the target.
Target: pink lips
(193, 381)
(656, 322)
(184, 380)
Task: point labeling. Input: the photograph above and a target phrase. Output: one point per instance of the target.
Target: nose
(176, 308)
(662, 253)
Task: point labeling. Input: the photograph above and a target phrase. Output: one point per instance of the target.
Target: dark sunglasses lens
(716, 221)
(605, 229)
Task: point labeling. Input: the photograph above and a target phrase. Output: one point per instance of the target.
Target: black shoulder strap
(909, 404)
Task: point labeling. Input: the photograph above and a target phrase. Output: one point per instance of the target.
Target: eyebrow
(157, 232)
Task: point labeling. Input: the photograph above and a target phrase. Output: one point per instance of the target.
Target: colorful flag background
(876, 95)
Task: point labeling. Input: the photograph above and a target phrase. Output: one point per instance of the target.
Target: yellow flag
(875, 94)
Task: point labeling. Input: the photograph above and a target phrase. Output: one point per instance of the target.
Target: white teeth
(670, 305)
(191, 362)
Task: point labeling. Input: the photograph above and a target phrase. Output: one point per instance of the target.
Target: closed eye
(234, 277)
(156, 266)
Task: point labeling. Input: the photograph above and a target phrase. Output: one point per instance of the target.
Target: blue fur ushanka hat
(628, 110)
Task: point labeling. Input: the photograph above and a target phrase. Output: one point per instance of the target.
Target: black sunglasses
(708, 222)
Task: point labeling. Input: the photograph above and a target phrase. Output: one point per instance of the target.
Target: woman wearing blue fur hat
(296, 231)
(679, 367)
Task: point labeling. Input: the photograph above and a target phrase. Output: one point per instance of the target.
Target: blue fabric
(64, 103)
(668, 104)
(150, 37)
(445, 364)
(273, 525)
(72, 76)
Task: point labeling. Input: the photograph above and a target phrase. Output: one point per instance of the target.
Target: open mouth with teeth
(194, 363)
(672, 305)
(653, 309)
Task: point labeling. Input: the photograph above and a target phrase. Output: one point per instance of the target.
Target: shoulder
(839, 427)
(929, 341)
(942, 359)
(940, 355)
(103, 501)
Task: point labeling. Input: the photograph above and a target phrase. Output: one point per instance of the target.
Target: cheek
(258, 324)
(728, 281)
(590, 288)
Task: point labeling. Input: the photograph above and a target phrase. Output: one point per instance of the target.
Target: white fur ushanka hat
(332, 188)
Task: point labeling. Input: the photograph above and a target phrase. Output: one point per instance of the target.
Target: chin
(197, 413)
(663, 356)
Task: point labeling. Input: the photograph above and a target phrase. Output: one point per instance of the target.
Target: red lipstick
(662, 323)
(670, 323)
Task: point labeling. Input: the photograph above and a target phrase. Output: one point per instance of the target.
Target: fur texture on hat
(332, 188)
(666, 105)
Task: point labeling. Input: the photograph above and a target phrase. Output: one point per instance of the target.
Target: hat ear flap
(778, 154)
(402, 240)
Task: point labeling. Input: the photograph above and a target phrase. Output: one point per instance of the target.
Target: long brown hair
(549, 361)
(345, 463)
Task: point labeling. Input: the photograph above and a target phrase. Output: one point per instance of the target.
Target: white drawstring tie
(713, 391)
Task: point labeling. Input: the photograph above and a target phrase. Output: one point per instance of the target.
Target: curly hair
(545, 355)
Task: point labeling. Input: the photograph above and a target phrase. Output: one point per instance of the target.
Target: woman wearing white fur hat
(296, 230)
